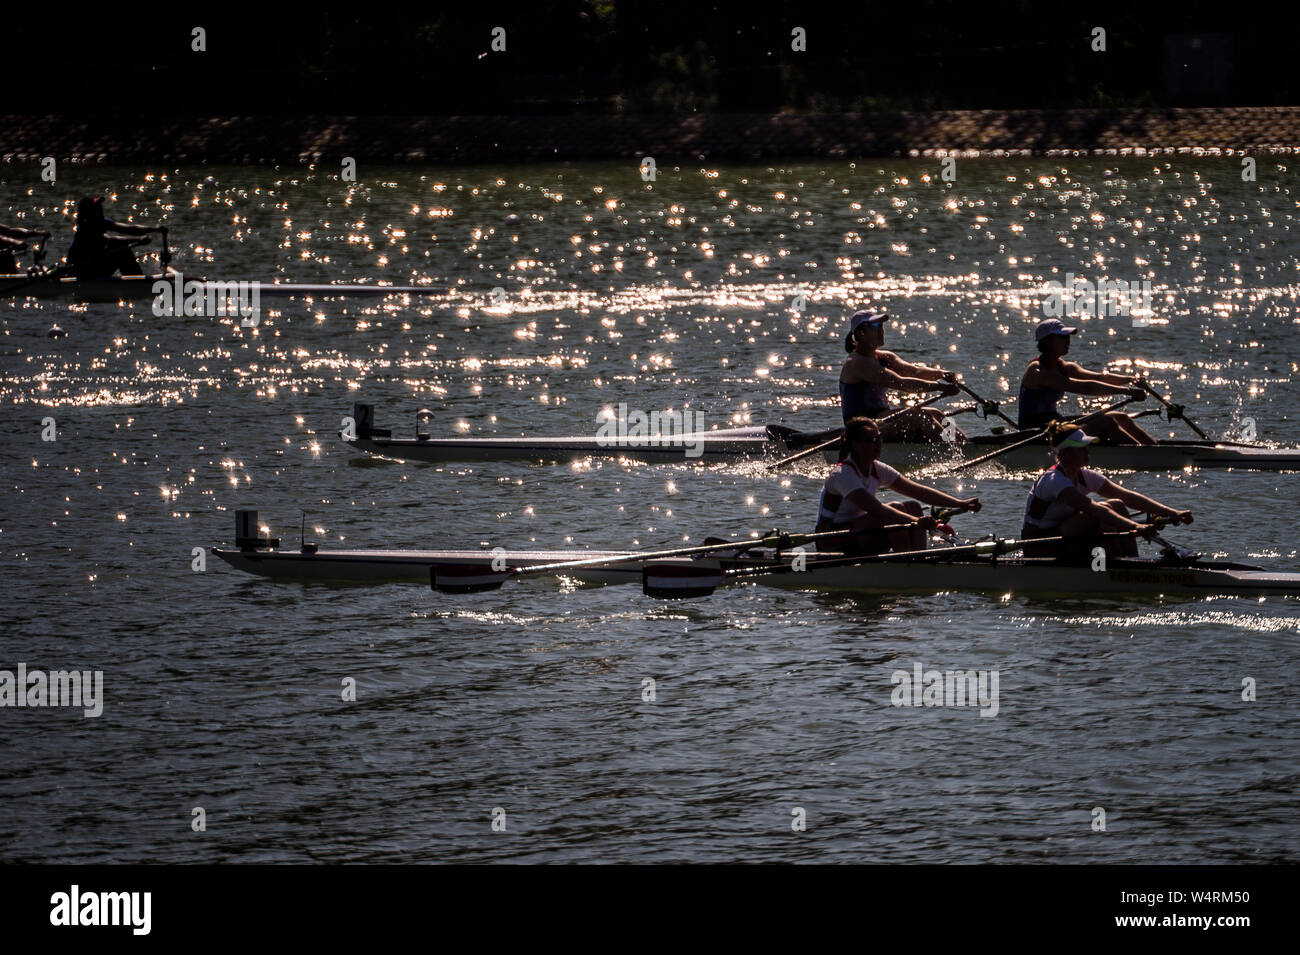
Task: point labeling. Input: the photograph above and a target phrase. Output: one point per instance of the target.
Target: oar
(1175, 411)
(1036, 437)
(472, 578)
(988, 407)
(809, 452)
(685, 580)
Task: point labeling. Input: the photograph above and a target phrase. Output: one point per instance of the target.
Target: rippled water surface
(223, 691)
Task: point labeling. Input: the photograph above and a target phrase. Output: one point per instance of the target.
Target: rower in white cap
(1059, 505)
(1049, 377)
(870, 373)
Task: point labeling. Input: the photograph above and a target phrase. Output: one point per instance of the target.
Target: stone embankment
(670, 140)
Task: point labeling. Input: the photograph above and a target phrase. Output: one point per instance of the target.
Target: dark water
(224, 691)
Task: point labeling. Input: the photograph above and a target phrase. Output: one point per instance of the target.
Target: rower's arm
(128, 228)
(14, 232)
(873, 373)
(911, 385)
(912, 369)
(1054, 380)
(1078, 372)
(926, 495)
(1138, 502)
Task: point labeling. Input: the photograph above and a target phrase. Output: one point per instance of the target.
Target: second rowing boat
(738, 444)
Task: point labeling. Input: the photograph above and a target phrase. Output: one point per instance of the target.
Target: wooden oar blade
(465, 578)
(679, 579)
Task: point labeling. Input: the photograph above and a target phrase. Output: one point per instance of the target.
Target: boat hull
(733, 445)
(1044, 577)
(1135, 577)
(342, 567)
(753, 443)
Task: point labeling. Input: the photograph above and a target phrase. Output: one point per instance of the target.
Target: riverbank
(671, 140)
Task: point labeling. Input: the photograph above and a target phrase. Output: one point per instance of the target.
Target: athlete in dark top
(94, 253)
(870, 373)
(1049, 377)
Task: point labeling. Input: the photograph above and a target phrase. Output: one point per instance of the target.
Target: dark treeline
(603, 57)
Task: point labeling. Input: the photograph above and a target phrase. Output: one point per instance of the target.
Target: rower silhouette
(101, 246)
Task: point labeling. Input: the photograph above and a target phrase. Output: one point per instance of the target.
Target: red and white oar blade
(466, 578)
(678, 579)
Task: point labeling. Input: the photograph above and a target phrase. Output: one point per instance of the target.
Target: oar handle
(944, 514)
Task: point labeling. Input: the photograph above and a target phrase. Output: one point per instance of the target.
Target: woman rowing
(1059, 505)
(849, 501)
(95, 254)
(1049, 377)
(870, 373)
(13, 240)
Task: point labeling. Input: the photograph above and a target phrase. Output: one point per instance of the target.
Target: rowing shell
(134, 287)
(734, 444)
(409, 566)
(1134, 576)
(738, 444)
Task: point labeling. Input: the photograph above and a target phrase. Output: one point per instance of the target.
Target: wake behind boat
(740, 444)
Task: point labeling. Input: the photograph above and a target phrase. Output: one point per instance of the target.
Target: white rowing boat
(135, 287)
(1022, 575)
(343, 567)
(1165, 576)
(738, 444)
(1154, 576)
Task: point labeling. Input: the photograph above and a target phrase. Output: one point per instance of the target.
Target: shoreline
(670, 140)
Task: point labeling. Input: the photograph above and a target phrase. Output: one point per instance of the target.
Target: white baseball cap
(867, 317)
(1052, 326)
(1074, 438)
